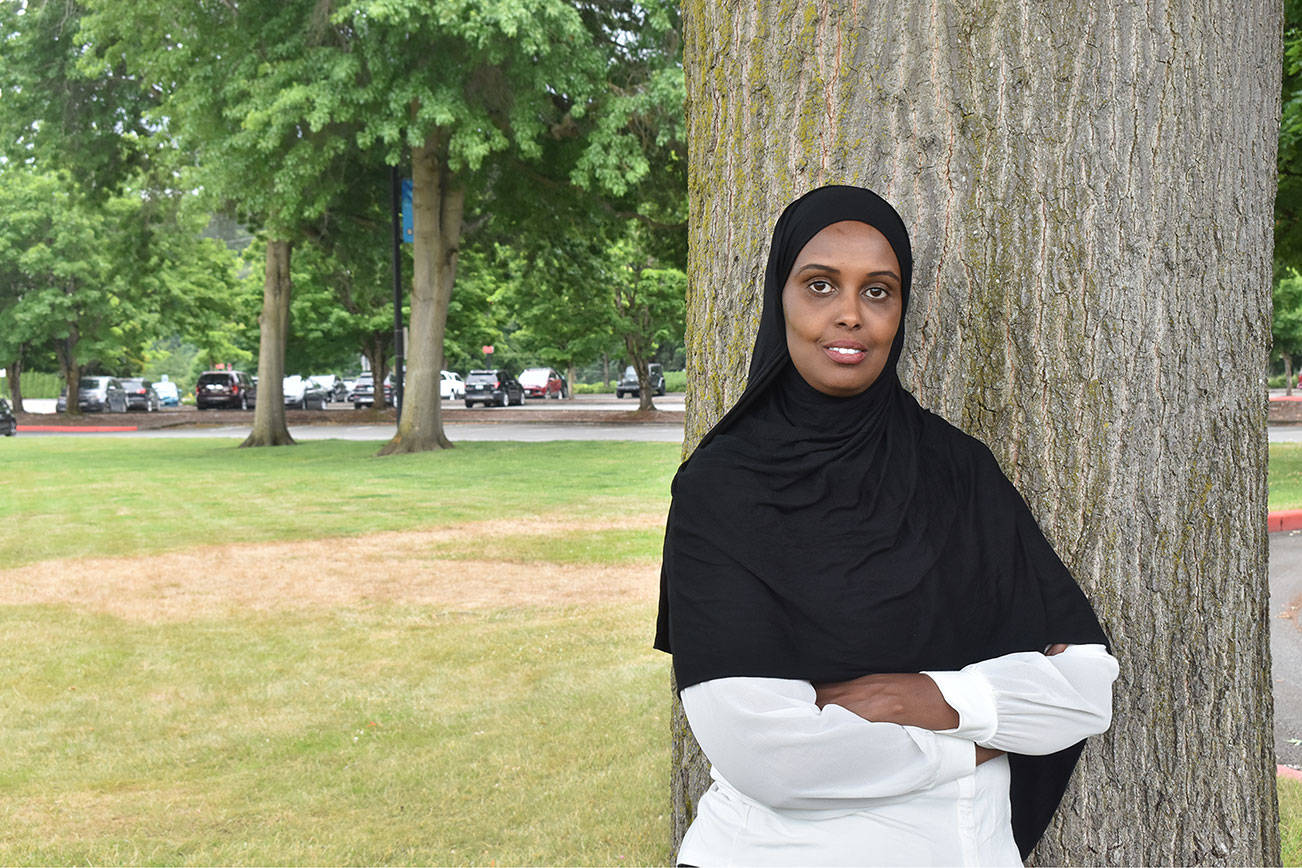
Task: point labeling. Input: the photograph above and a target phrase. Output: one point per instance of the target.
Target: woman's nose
(847, 311)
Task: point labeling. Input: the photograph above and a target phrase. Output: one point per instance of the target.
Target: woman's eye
(876, 292)
(820, 287)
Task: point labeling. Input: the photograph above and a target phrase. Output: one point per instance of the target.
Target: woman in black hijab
(878, 651)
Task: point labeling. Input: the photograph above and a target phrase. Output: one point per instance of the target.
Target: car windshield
(630, 373)
(534, 376)
(481, 377)
(133, 383)
(214, 379)
(90, 383)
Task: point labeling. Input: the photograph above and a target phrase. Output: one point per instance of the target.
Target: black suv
(8, 422)
(628, 384)
(495, 386)
(224, 389)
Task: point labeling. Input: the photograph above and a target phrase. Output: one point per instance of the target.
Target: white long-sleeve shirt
(799, 785)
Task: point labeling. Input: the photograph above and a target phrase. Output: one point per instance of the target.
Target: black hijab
(822, 538)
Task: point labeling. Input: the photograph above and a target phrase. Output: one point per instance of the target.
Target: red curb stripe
(1284, 519)
(1286, 397)
(77, 429)
(1286, 772)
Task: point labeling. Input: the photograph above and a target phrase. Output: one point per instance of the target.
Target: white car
(451, 386)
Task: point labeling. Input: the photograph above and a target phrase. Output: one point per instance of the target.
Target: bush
(1275, 382)
(38, 385)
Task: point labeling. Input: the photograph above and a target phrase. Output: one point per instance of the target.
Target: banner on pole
(408, 232)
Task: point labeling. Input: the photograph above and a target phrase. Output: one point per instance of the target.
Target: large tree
(239, 89)
(1089, 189)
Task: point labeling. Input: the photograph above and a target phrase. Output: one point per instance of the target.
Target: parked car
(364, 391)
(140, 394)
(335, 387)
(168, 394)
(493, 386)
(8, 422)
(451, 386)
(96, 394)
(628, 384)
(302, 393)
(543, 383)
(224, 389)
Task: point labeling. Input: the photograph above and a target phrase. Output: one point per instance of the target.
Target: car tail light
(235, 388)
(497, 385)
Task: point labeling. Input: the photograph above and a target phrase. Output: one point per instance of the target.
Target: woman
(876, 648)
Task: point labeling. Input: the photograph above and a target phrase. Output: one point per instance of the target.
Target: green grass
(62, 497)
(1290, 822)
(390, 736)
(1285, 477)
(353, 734)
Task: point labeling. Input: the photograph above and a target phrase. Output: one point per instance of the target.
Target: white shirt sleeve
(768, 738)
(1029, 703)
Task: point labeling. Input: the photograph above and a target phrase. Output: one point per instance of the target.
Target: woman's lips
(845, 354)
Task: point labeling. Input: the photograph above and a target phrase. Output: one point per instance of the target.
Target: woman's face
(842, 303)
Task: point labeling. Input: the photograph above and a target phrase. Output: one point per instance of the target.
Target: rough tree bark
(1089, 188)
(65, 351)
(436, 204)
(269, 428)
(14, 373)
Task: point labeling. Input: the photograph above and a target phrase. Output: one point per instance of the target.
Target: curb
(1285, 519)
(76, 429)
(1288, 772)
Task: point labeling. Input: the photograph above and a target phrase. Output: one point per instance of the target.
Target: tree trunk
(1288, 373)
(65, 350)
(436, 205)
(269, 428)
(14, 373)
(569, 379)
(605, 370)
(1089, 190)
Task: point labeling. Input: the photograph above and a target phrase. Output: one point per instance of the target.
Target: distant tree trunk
(1089, 190)
(269, 428)
(1288, 373)
(65, 350)
(14, 373)
(377, 353)
(605, 370)
(436, 204)
(569, 379)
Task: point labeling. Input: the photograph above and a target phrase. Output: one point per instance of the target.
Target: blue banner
(407, 232)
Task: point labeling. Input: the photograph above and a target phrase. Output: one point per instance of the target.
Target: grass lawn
(67, 497)
(1285, 476)
(1290, 822)
(438, 722)
(364, 729)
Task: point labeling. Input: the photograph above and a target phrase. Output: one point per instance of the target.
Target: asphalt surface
(1286, 643)
(585, 417)
(524, 432)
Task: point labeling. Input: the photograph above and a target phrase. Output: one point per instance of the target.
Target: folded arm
(1028, 702)
(768, 738)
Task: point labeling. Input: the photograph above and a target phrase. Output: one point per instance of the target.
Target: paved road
(526, 432)
(1286, 642)
(671, 401)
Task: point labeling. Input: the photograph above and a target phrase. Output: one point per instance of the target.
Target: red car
(543, 383)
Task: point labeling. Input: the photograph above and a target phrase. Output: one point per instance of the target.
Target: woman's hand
(903, 698)
(909, 699)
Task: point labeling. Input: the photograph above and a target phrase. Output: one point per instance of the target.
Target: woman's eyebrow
(814, 266)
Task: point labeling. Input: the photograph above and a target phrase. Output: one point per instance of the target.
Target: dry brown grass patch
(397, 567)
